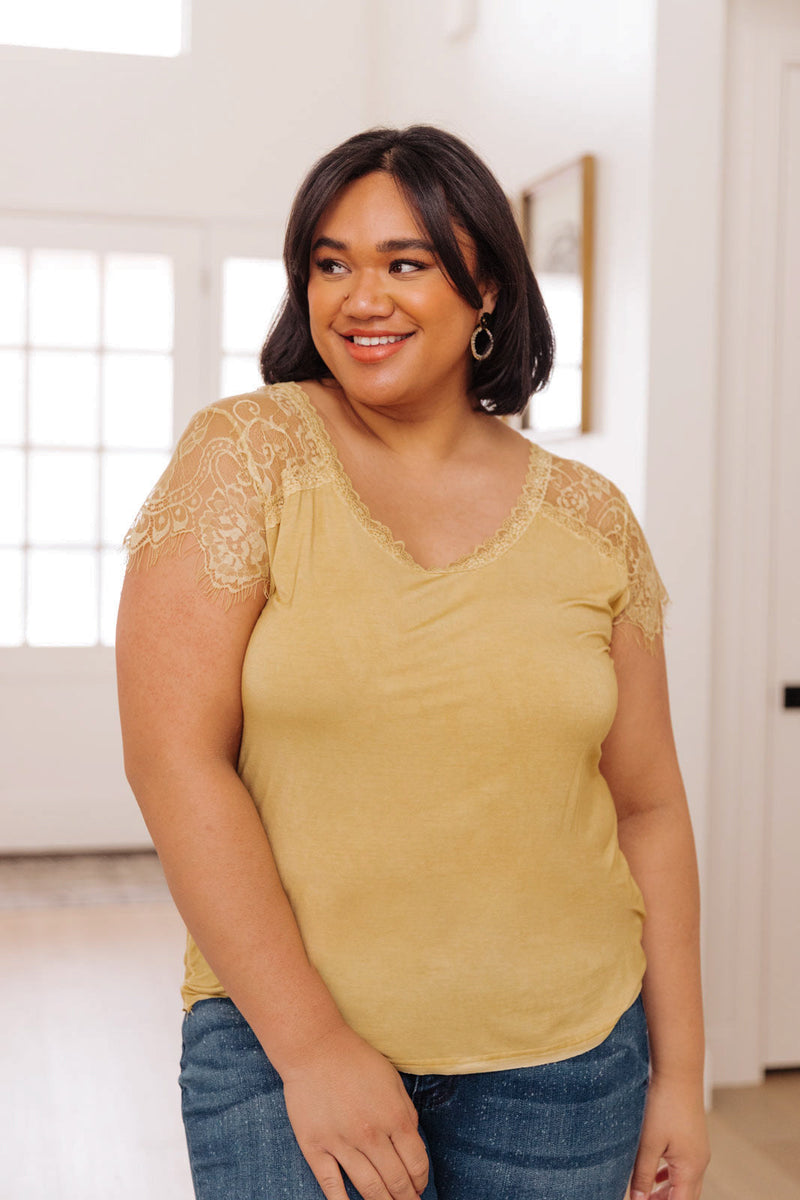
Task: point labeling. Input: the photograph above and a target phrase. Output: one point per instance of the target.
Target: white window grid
(218, 274)
(92, 563)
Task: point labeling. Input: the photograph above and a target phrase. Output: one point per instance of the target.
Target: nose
(367, 296)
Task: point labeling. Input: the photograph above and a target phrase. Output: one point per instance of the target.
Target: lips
(374, 346)
(378, 341)
(374, 337)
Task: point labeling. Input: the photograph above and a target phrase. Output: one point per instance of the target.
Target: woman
(372, 644)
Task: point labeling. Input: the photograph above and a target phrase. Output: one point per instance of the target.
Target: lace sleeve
(207, 502)
(646, 597)
(583, 500)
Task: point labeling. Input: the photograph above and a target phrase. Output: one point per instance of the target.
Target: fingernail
(638, 1196)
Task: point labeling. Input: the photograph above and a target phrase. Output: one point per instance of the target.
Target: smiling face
(386, 320)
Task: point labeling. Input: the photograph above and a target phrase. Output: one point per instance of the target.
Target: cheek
(316, 321)
(321, 303)
(313, 304)
(452, 313)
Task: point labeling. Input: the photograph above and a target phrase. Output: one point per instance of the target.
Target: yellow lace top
(422, 744)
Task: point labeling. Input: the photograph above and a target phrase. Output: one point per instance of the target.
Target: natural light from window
(86, 365)
(148, 27)
(252, 292)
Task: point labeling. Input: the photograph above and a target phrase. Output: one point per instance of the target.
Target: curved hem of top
(481, 1066)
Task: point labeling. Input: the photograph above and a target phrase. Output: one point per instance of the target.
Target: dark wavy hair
(445, 184)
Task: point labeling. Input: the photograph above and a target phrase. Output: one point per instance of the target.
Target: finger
(644, 1171)
(328, 1176)
(672, 1184)
(687, 1188)
(411, 1149)
(378, 1174)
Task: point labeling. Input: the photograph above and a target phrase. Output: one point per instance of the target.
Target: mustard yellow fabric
(423, 745)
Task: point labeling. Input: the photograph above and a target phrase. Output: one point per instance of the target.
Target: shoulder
(276, 406)
(594, 508)
(587, 502)
(571, 475)
(270, 428)
(269, 400)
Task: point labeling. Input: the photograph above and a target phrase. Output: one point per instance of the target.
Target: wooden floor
(89, 1103)
(755, 1139)
(90, 1014)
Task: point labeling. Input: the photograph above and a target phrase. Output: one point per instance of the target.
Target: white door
(101, 331)
(782, 908)
(753, 902)
(111, 335)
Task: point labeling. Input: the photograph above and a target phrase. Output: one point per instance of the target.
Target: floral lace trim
(238, 460)
(285, 455)
(208, 581)
(593, 508)
(510, 531)
(225, 486)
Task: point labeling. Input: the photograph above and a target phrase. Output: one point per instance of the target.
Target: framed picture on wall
(557, 223)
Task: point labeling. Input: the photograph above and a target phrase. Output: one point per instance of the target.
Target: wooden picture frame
(558, 228)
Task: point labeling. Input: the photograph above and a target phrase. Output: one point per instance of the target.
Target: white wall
(683, 382)
(226, 131)
(534, 85)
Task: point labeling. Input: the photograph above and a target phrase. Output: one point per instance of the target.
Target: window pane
(62, 598)
(63, 498)
(147, 27)
(112, 570)
(12, 396)
(12, 297)
(139, 302)
(137, 401)
(63, 398)
(252, 289)
(11, 628)
(12, 498)
(65, 298)
(240, 374)
(127, 481)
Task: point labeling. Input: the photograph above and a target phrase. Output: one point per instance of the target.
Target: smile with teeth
(378, 341)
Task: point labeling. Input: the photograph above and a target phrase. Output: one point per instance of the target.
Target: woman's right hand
(348, 1108)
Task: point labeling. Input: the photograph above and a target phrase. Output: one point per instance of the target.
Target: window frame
(198, 251)
(233, 241)
(184, 244)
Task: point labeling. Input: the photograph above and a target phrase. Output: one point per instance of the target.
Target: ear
(489, 293)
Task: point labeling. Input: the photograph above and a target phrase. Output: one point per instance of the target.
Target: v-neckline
(516, 521)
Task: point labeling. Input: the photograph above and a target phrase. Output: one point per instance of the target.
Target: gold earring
(481, 328)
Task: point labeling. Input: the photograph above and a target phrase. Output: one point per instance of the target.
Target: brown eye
(406, 266)
(330, 266)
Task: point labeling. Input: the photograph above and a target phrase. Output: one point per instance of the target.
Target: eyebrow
(391, 247)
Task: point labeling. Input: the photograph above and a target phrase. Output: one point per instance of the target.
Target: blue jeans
(555, 1132)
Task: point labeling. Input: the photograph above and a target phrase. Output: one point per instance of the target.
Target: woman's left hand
(674, 1130)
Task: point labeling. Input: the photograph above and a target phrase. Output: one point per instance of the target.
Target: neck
(424, 429)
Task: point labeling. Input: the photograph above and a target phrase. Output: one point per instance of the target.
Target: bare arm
(640, 765)
(179, 659)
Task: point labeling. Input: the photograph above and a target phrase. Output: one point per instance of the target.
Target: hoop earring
(481, 328)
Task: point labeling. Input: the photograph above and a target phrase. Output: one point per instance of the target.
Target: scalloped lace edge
(650, 626)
